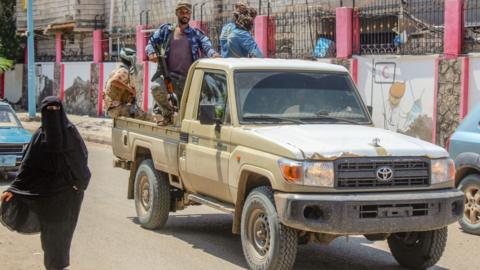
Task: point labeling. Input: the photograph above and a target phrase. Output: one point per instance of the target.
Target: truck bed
(130, 136)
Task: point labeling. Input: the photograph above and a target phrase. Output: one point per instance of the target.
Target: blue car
(464, 148)
(13, 140)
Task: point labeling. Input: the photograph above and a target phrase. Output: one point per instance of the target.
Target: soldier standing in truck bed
(179, 45)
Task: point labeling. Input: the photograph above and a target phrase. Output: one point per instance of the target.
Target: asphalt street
(109, 237)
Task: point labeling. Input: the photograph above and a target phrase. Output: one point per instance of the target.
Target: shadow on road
(212, 234)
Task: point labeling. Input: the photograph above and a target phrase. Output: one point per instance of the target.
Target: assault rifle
(162, 73)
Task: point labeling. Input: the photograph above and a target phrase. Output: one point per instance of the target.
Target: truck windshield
(289, 96)
(8, 119)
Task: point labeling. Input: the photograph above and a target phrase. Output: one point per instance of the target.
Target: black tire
(470, 221)
(278, 248)
(152, 196)
(418, 250)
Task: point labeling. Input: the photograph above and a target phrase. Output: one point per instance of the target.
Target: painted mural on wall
(474, 83)
(45, 82)
(401, 92)
(78, 90)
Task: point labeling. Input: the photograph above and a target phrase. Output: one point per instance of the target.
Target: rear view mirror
(207, 114)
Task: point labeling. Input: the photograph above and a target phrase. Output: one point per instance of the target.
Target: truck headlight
(443, 170)
(318, 174)
(308, 173)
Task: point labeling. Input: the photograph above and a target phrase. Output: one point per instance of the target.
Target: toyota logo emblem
(384, 174)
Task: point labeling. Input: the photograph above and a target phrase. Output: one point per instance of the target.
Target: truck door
(208, 150)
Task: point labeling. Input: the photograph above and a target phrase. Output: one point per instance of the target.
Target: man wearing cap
(181, 45)
(236, 39)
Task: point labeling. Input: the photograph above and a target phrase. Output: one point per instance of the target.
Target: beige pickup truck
(289, 149)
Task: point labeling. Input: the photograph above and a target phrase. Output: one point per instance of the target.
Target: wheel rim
(144, 193)
(472, 205)
(258, 233)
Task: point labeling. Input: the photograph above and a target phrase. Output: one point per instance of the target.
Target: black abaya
(54, 175)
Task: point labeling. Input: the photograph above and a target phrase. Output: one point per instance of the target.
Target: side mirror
(207, 114)
(370, 110)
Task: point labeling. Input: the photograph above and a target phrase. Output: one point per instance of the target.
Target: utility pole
(31, 62)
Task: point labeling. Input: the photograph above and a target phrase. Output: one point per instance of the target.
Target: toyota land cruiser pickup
(289, 149)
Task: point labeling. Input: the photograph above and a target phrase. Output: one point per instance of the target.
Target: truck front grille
(359, 173)
(11, 149)
(396, 210)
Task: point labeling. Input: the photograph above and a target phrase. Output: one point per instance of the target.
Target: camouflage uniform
(121, 102)
(161, 95)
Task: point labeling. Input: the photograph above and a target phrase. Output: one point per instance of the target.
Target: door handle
(195, 139)
(125, 137)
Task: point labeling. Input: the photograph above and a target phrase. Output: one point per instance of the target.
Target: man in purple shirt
(181, 45)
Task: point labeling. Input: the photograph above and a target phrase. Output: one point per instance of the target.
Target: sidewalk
(98, 130)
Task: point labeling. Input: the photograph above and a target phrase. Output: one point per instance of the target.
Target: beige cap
(184, 4)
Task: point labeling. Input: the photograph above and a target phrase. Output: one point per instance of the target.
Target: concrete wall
(14, 84)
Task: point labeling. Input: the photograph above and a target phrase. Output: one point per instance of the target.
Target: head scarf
(243, 16)
(56, 157)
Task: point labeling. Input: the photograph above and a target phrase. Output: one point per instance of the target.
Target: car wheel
(152, 196)
(267, 244)
(418, 250)
(470, 186)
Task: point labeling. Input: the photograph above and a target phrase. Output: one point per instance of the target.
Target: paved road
(108, 237)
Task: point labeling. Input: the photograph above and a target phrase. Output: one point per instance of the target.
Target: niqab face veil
(54, 126)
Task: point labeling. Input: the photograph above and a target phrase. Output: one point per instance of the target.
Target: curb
(88, 136)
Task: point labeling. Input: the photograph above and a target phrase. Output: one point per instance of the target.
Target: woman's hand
(6, 196)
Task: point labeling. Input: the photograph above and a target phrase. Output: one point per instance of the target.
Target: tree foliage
(5, 64)
(9, 42)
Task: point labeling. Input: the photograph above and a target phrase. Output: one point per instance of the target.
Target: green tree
(9, 41)
(5, 64)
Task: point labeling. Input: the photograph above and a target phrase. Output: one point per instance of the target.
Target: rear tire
(470, 221)
(152, 196)
(267, 244)
(418, 250)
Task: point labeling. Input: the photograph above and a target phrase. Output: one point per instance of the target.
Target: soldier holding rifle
(175, 47)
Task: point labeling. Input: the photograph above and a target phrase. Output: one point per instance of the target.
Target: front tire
(267, 244)
(418, 250)
(152, 196)
(470, 186)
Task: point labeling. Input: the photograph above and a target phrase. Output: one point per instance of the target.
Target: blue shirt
(198, 40)
(324, 48)
(236, 42)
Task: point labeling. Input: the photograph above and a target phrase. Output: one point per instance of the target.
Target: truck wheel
(418, 250)
(267, 244)
(152, 196)
(470, 222)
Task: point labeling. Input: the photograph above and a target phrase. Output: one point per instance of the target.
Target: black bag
(18, 215)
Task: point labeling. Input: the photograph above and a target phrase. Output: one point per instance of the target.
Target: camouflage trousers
(160, 95)
(127, 110)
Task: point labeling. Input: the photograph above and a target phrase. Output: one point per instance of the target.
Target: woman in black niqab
(51, 181)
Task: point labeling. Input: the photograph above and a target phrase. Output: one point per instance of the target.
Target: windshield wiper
(268, 117)
(322, 116)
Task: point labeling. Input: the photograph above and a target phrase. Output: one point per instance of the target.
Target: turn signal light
(292, 171)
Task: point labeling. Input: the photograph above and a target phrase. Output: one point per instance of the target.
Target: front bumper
(370, 213)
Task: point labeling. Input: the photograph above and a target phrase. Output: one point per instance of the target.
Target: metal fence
(298, 29)
(401, 27)
(472, 26)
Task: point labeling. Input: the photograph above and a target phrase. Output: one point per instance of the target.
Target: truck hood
(14, 135)
(320, 142)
